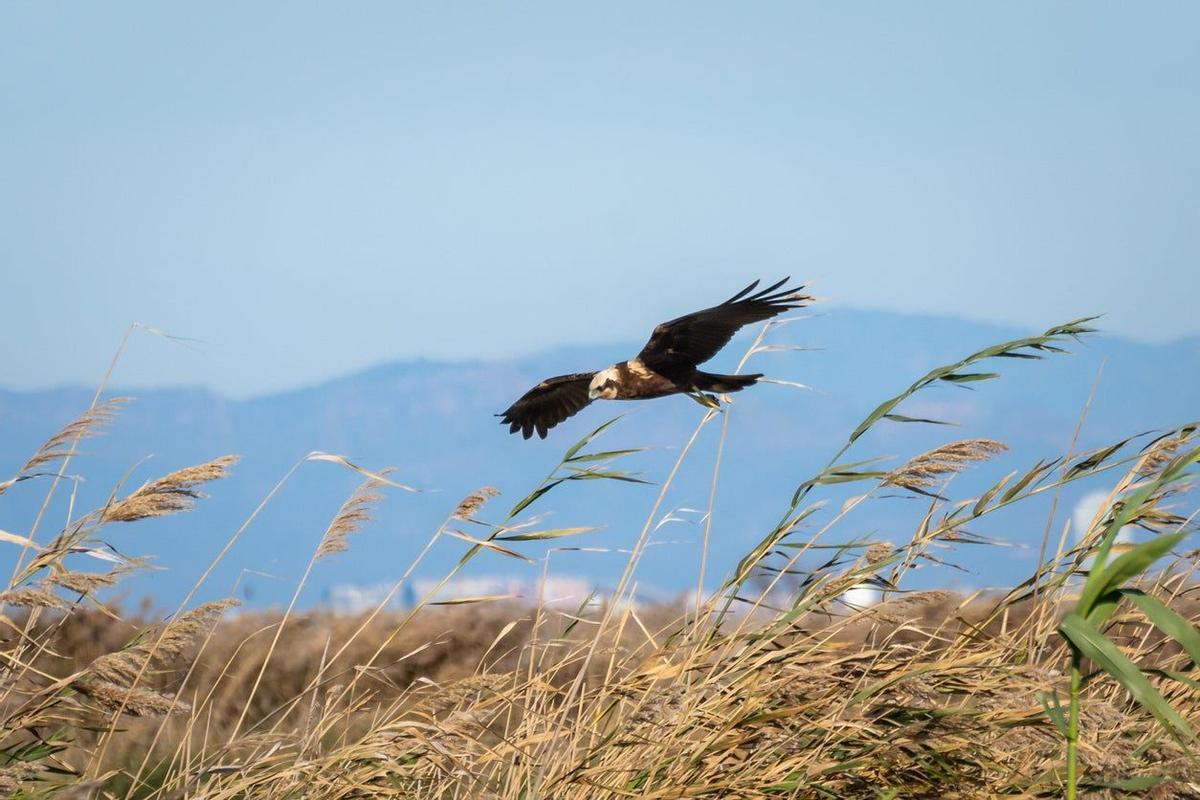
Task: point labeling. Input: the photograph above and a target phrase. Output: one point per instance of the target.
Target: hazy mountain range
(434, 422)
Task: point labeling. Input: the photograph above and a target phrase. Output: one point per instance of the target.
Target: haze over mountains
(434, 421)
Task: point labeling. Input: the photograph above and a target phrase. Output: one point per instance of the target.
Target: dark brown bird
(667, 364)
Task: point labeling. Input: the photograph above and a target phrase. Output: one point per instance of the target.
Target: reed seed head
(473, 502)
(162, 644)
(878, 552)
(924, 470)
(32, 597)
(85, 583)
(350, 518)
(135, 702)
(170, 494)
(88, 424)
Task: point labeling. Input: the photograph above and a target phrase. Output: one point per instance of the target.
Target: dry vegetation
(1082, 679)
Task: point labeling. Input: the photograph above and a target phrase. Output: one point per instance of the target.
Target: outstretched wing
(547, 404)
(677, 347)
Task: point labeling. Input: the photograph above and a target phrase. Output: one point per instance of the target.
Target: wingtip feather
(742, 293)
(767, 295)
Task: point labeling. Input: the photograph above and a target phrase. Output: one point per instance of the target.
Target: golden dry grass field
(1079, 682)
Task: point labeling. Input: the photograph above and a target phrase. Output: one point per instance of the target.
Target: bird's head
(603, 385)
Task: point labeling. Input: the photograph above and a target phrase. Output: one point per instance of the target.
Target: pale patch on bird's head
(604, 385)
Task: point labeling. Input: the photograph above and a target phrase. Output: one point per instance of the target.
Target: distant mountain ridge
(434, 421)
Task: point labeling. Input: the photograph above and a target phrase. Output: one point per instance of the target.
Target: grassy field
(1081, 681)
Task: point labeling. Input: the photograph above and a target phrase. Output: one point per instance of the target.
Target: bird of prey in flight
(667, 364)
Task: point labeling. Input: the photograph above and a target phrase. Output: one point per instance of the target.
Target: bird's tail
(722, 384)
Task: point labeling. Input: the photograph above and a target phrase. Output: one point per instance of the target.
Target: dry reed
(350, 518)
(91, 423)
(783, 693)
(923, 471)
(171, 494)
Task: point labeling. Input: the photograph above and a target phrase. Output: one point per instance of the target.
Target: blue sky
(310, 189)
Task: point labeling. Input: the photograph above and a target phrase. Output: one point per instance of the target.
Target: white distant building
(862, 595)
(1085, 511)
(564, 593)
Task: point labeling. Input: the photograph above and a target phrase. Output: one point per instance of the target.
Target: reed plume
(88, 424)
(171, 494)
(349, 519)
(136, 702)
(157, 646)
(923, 471)
(471, 504)
(32, 597)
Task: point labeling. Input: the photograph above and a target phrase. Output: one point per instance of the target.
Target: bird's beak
(592, 394)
